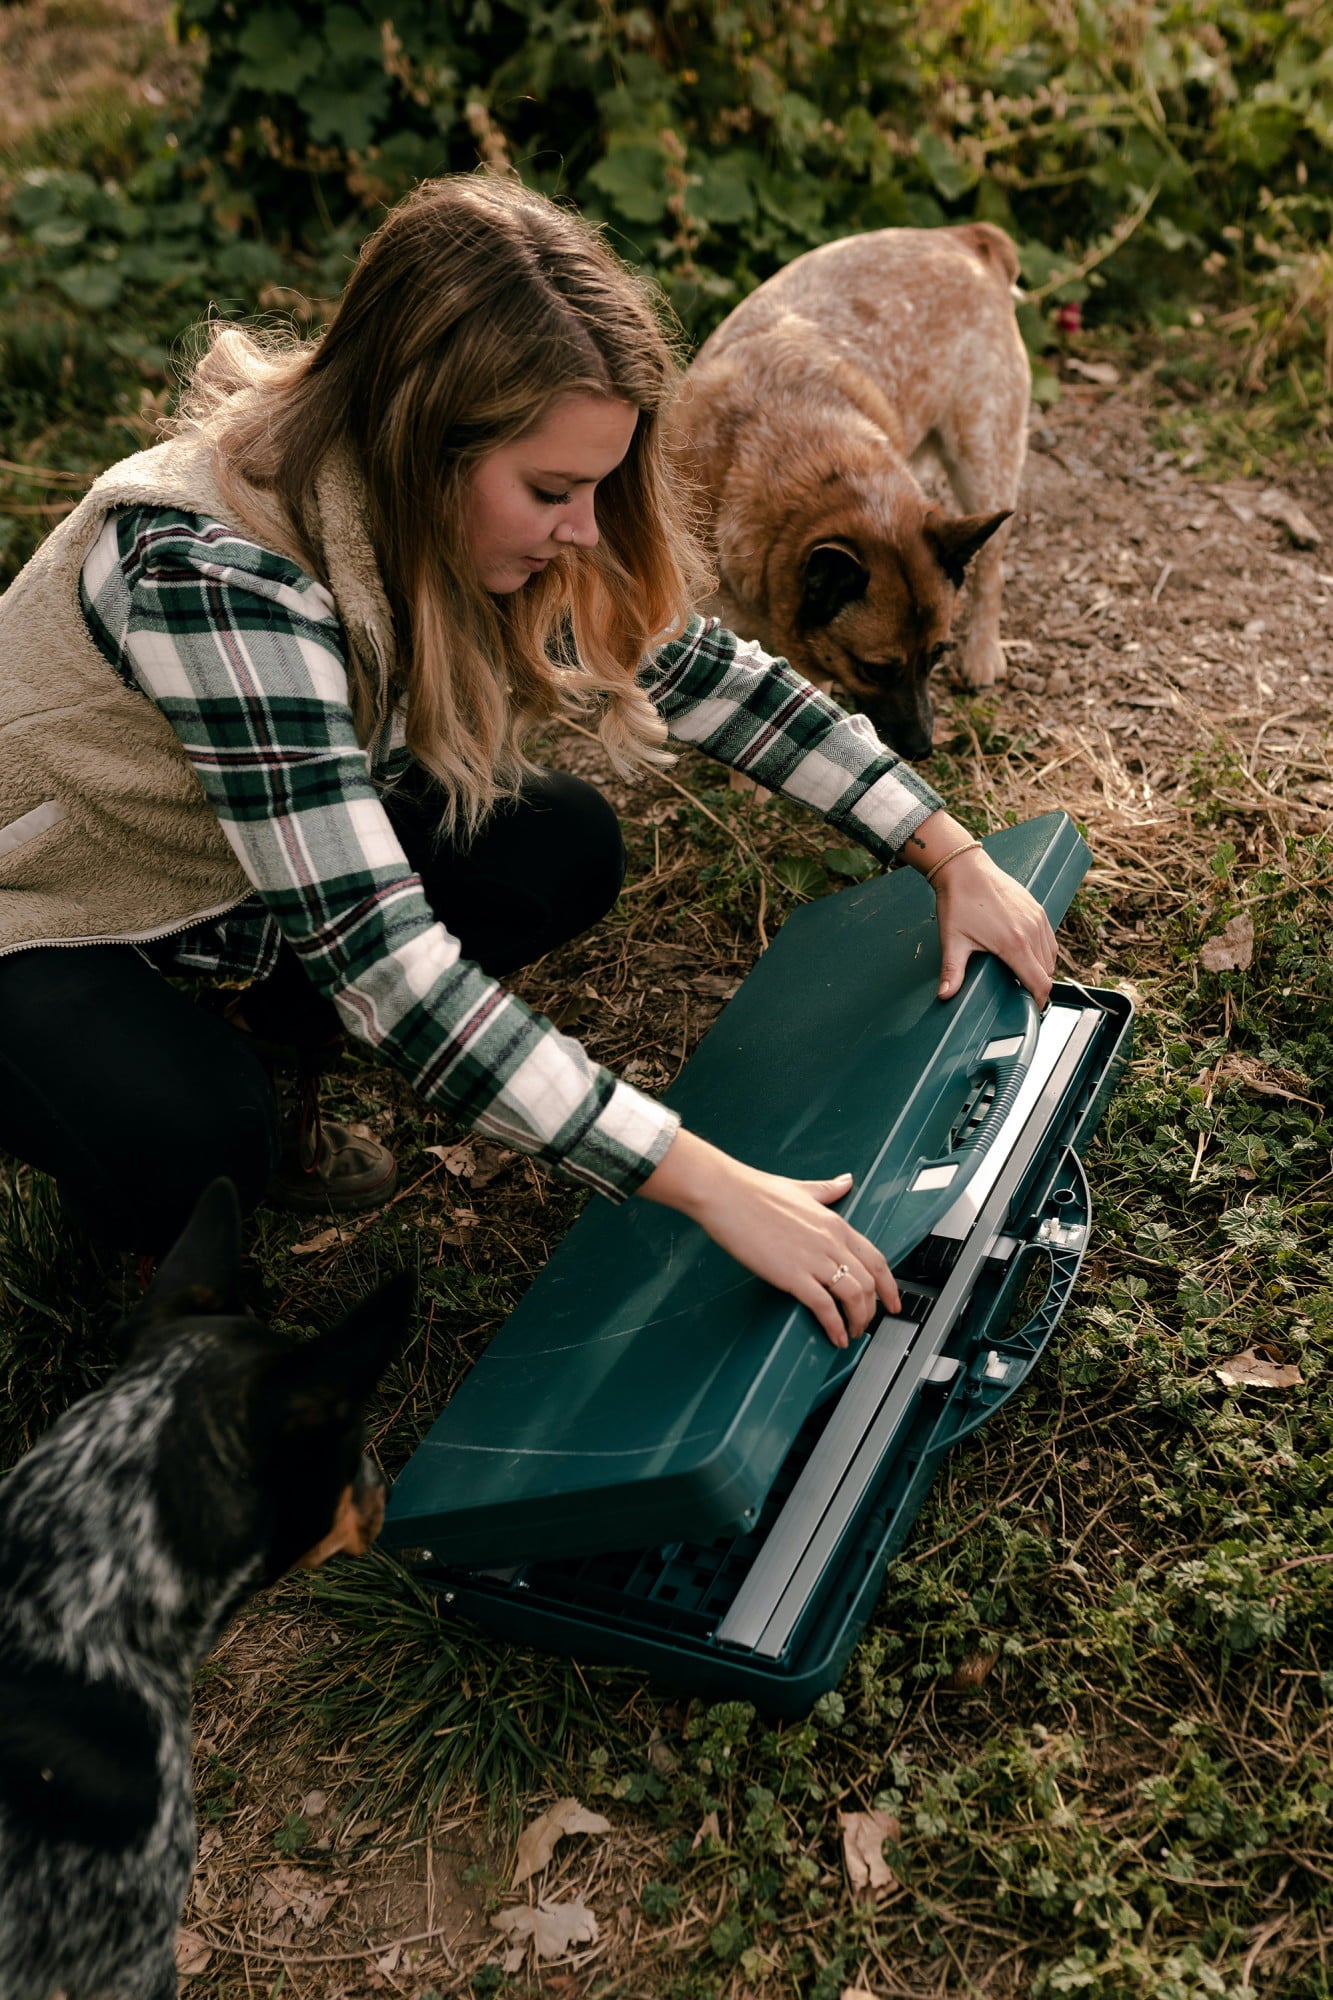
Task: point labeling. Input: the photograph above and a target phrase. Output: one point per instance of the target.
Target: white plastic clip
(1060, 1235)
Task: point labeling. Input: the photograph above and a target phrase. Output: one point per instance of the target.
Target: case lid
(648, 1388)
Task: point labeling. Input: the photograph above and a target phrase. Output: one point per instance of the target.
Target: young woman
(263, 704)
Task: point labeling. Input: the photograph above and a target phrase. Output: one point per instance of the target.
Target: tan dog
(801, 418)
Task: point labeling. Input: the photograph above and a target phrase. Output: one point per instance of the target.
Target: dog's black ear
(324, 1382)
(201, 1271)
(953, 543)
(834, 578)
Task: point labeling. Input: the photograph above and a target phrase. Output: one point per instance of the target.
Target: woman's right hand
(783, 1230)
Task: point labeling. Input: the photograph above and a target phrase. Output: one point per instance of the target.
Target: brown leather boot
(325, 1168)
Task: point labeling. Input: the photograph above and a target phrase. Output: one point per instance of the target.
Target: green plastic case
(647, 1389)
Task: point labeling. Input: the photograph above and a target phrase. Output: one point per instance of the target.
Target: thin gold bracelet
(964, 847)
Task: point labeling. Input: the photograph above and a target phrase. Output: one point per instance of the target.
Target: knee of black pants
(580, 858)
(539, 872)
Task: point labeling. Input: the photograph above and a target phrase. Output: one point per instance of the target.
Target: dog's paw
(982, 662)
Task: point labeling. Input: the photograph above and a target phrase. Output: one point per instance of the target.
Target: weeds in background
(1164, 170)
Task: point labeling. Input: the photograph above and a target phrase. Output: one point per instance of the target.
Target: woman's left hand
(980, 908)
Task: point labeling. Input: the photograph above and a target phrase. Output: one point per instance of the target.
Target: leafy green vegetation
(1156, 165)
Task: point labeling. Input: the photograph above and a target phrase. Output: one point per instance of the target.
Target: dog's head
(872, 611)
(259, 1461)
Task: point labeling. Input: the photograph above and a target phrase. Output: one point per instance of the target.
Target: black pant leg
(541, 870)
(132, 1097)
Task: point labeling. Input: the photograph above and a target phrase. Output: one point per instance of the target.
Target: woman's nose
(578, 528)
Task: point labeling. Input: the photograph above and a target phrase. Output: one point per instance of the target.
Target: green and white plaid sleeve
(740, 705)
(245, 657)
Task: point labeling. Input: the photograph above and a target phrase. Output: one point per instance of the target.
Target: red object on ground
(1069, 319)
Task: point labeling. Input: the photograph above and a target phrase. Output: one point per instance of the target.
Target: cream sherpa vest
(105, 832)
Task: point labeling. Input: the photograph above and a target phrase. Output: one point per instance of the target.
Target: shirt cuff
(629, 1142)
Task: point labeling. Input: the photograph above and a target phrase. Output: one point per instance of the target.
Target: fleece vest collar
(105, 832)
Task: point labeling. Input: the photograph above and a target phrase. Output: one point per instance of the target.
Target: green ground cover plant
(1157, 165)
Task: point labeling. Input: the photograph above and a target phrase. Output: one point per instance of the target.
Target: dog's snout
(911, 735)
(369, 1478)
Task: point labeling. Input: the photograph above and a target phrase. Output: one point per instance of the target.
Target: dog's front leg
(982, 657)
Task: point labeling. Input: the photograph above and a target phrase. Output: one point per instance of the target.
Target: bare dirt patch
(60, 57)
(299, 1874)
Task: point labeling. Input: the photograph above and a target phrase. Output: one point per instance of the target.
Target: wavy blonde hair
(474, 306)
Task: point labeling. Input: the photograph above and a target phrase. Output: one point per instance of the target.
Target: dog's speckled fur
(801, 417)
(220, 1454)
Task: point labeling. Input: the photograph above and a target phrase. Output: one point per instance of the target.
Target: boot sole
(318, 1201)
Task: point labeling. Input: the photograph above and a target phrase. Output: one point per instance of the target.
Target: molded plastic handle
(1008, 1072)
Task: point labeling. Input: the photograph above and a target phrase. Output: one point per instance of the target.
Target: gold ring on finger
(843, 1271)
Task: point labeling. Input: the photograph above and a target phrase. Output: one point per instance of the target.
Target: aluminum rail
(803, 1539)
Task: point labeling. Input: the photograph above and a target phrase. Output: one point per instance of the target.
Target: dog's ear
(953, 543)
(323, 1383)
(834, 578)
(201, 1271)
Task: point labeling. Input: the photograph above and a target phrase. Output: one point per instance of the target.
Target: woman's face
(527, 500)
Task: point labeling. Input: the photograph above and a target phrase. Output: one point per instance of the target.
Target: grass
(1096, 1692)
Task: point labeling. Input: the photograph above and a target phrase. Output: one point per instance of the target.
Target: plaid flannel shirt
(246, 658)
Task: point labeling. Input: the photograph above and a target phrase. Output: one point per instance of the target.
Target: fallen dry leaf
(972, 1671)
(284, 1891)
(1232, 949)
(537, 1842)
(1256, 1369)
(661, 1756)
(863, 1838)
(317, 1244)
(1275, 505)
(1104, 373)
(710, 1830)
(554, 1928)
(474, 1160)
(193, 1956)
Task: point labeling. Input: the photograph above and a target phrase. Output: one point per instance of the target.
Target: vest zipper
(130, 937)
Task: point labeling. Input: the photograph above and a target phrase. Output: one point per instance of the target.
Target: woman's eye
(552, 499)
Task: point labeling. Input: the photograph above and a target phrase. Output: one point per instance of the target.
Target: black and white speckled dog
(218, 1456)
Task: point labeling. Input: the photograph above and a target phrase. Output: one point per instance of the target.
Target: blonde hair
(474, 306)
